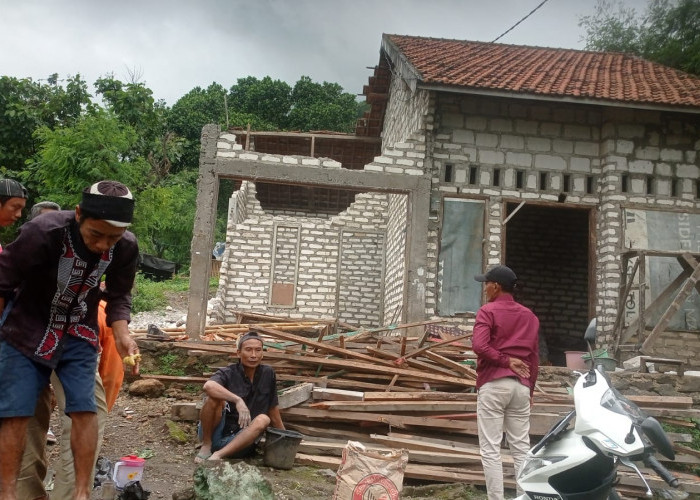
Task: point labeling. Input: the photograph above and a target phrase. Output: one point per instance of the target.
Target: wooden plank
(337, 395)
(396, 406)
(458, 367)
(382, 369)
(321, 345)
(413, 363)
(420, 396)
(540, 423)
(672, 309)
(177, 378)
(339, 383)
(326, 448)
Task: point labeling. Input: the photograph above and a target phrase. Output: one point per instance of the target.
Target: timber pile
(401, 392)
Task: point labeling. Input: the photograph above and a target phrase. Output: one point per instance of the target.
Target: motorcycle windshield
(616, 402)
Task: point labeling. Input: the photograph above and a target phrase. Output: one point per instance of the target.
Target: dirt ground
(137, 425)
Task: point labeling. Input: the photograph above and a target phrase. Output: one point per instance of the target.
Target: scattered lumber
(389, 390)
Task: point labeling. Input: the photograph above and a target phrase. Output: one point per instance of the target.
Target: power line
(513, 27)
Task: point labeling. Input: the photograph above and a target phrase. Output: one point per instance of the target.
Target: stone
(216, 480)
(175, 432)
(147, 388)
(186, 494)
(184, 411)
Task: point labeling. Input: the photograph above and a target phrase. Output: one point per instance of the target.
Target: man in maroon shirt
(505, 339)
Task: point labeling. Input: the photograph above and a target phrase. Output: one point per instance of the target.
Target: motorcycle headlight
(534, 463)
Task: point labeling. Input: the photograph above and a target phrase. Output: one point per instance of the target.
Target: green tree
(668, 32)
(322, 106)
(164, 217)
(97, 147)
(268, 99)
(26, 105)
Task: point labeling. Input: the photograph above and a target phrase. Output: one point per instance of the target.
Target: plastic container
(574, 360)
(127, 469)
(281, 447)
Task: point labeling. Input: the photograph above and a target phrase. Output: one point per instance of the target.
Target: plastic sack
(370, 474)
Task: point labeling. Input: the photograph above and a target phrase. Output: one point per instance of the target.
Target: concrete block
(461, 136)
(648, 153)
(641, 167)
(580, 164)
(188, 412)
(477, 123)
(512, 142)
(519, 159)
(688, 171)
(539, 144)
(486, 140)
(549, 162)
(491, 157)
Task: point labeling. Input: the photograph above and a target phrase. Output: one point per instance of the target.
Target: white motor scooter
(610, 431)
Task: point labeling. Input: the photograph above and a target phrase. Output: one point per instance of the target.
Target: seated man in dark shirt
(241, 404)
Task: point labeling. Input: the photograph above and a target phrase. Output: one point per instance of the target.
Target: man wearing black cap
(241, 403)
(505, 339)
(54, 268)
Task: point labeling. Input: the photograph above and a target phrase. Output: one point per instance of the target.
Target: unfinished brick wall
(348, 249)
(395, 259)
(556, 153)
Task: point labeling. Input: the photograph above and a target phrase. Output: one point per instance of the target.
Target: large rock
(147, 388)
(220, 479)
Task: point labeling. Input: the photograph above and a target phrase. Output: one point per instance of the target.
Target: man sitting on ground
(241, 404)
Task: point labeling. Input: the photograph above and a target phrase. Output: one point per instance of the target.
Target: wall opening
(548, 248)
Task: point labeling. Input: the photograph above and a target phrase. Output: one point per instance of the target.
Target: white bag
(370, 474)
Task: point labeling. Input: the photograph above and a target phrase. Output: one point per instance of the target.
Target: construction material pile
(404, 386)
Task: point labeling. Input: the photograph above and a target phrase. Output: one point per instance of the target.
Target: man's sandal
(201, 457)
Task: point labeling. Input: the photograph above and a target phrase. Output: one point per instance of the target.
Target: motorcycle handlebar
(662, 471)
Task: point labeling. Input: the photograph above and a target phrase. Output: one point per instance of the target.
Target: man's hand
(519, 367)
(126, 346)
(243, 414)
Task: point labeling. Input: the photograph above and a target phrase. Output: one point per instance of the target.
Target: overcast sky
(176, 45)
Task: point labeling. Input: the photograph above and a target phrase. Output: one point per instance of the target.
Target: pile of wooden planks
(389, 390)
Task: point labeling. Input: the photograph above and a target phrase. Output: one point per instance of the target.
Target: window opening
(519, 179)
(496, 176)
(625, 180)
(650, 185)
(567, 183)
(285, 265)
(543, 181)
(448, 172)
(472, 174)
(589, 184)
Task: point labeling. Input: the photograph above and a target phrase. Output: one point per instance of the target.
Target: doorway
(549, 248)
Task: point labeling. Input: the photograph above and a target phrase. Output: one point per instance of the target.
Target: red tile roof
(549, 72)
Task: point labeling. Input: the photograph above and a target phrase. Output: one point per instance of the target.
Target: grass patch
(152, 295)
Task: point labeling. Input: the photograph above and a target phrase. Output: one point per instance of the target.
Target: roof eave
(548, 98)
(400, 62)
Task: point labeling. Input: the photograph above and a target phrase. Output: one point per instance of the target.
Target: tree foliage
(98, 146)
(667, 33)
(26, 105)
(57, 141)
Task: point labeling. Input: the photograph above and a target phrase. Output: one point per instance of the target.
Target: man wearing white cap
(52, 274)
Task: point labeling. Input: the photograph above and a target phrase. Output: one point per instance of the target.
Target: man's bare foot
(214, 457)
(204, 454)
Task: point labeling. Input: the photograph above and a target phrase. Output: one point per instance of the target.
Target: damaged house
(580, 170)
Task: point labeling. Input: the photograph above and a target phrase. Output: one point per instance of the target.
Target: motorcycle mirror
(653, 430)
(589, 336)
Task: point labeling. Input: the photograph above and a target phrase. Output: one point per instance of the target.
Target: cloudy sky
(176, 45)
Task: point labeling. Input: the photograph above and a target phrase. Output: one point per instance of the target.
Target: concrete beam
(211, 169)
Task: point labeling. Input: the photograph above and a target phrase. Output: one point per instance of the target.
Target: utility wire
(513, 27)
